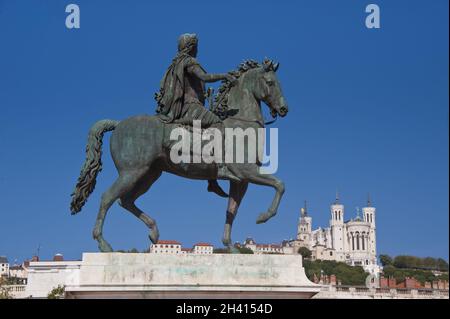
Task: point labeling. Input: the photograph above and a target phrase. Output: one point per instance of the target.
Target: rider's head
(187, 43)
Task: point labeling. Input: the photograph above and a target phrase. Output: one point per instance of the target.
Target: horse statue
(139, 149)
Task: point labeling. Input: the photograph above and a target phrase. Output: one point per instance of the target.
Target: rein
(275, 118)
(256, 121)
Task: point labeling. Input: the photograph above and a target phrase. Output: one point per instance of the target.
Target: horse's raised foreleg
(124, 183)
(127, 202)
(278, 185)
(237, 192)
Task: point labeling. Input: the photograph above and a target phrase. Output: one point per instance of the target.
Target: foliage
(242, 250)
(386, 260)
(133, 251)
(420, 275)
(305, 252)
(4, 292)
(56, 293)
(419, 268)
(348, 275)
(245, 250)
(412, 262)
(221, 251)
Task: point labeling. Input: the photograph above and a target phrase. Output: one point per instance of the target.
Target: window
(331, 253)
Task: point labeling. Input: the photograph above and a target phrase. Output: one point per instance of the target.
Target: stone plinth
(128, 275)
(43, 276)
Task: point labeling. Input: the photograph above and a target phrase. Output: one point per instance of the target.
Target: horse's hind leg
(128, 199)
(237, 192)
(122, 185)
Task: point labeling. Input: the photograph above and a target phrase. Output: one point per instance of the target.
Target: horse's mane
(220, 107)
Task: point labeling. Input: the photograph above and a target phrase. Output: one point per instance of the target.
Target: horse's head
(268, 89)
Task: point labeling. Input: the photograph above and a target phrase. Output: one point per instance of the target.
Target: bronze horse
(140, 153)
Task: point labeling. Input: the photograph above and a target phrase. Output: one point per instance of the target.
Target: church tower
(337, 227)
(304, 231)
(369, 217)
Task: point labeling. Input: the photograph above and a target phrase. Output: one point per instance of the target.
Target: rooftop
(203, 244)
(268, 246)
(168, 242)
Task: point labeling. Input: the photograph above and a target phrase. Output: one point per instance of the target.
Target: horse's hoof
(226, 242)
(104, 247)
(262, 218)
(154, 236)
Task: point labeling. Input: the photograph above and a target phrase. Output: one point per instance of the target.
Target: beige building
(263, 248)
(19, 272)
(166, 247)
(4, 266)
(203, 249)
(352, 241)
(173, 247)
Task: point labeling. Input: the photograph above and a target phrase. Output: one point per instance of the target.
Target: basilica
(351, 241)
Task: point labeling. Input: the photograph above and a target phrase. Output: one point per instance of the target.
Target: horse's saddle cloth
(184, 131)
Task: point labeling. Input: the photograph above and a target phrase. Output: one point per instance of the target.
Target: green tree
(442, 265)
(56, 293)
(348, 275)
(221, 251)
(305, 252)
(245, 250)
(413, 262)
(385, 260)
(402, 262)
(429, 263)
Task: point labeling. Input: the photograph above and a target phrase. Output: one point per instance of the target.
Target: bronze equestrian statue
(181, 98)
(140, 145)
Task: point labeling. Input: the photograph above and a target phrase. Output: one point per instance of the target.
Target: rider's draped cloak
(170, 101)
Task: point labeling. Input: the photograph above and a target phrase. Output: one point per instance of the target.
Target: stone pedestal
(227, 276)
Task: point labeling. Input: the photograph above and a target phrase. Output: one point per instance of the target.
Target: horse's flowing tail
(93, 164)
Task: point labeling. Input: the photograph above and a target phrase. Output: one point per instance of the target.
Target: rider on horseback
(181, 98)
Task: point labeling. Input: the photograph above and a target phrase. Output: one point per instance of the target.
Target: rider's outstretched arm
(205, 77)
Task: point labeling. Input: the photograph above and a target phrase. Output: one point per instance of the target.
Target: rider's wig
(186, 42)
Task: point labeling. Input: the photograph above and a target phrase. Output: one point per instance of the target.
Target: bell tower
(304, 230)
(369, 217)
(337, 226)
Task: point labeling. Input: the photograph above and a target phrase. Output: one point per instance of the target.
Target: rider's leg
(214, 187)
(209, 119)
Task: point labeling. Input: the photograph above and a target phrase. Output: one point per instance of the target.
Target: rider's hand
(230, 78)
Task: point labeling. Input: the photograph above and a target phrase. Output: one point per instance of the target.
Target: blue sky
(368, 113)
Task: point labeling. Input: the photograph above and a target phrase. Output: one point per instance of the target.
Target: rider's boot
(214, 187)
